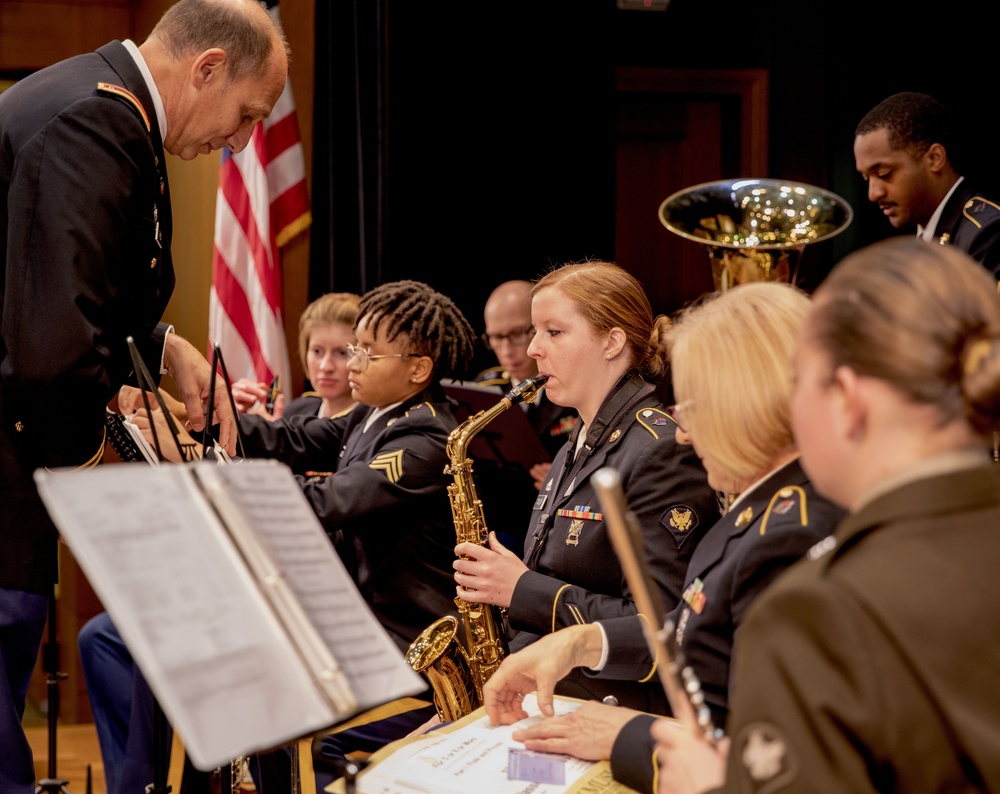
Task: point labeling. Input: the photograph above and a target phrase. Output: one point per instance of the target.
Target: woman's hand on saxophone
(487, 575)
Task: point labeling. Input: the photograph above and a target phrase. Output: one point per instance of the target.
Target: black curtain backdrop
(467, 144)
(348, 158)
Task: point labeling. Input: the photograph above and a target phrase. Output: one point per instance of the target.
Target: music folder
(509, 440)
(231, 599)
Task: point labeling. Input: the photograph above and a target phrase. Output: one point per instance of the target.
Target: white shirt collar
(161, 115)
(377, 413)
(929, 233)
(754, 485)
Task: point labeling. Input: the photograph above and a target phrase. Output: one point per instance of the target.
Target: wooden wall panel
(36, 34)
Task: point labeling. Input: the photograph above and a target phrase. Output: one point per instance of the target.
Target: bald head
(242, 28)
(219, 67)
(508, 328)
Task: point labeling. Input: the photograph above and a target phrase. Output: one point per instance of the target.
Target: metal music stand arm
(146, 383)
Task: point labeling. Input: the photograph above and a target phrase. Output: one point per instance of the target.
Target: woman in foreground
(871, 666)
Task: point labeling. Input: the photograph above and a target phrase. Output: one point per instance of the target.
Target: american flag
(262, 203)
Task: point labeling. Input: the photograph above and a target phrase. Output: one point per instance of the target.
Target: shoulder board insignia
(654, 420)
(108, 89)
(345, 412)
(976, 206)
(421, 405)
(390, 464)
(782, 502)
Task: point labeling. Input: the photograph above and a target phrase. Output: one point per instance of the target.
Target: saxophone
(458, 670)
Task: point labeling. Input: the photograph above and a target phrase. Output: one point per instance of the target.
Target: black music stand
(161, 728)
(53, 784)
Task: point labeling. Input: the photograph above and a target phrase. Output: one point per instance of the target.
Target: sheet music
(212, 650)
(471, 758)
(267, 500)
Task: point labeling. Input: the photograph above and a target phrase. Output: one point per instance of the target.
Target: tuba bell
(755, 229)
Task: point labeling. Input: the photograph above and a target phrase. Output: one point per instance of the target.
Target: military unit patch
(766, 757)
(679, 520)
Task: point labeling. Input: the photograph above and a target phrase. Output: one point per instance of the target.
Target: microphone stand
(53, 784)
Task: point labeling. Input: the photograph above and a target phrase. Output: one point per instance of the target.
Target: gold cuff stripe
(555, 604)
(96, 457)
(656, 655)
(574, 610)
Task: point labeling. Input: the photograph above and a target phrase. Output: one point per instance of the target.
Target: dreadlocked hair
(432, 323)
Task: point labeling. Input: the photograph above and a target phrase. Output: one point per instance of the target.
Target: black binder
(509, 440)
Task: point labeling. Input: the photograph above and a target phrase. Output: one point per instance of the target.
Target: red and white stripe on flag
(262, 203)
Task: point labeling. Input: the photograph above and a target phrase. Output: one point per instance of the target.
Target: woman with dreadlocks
(381, 497)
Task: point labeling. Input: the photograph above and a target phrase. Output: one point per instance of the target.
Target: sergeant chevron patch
(391, 463)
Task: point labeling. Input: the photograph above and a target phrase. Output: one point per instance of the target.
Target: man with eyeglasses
(508, 333)
(508, 492)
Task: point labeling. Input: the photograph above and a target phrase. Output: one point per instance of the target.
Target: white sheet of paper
(211, 649)
(271, 505)
(470, 759)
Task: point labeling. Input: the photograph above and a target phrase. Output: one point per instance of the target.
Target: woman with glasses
(596, 341)
(872, 664)
(731, 367)
(326, 328)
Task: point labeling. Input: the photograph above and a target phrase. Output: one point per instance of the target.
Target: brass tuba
(755, 229)
(458, 670)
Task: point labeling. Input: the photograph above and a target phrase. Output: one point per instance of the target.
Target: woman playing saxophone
(596, 341)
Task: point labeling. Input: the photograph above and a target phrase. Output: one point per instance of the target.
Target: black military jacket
(767, 531)
(85, 230)
(972, 222)
(574, 575)
(385, 503)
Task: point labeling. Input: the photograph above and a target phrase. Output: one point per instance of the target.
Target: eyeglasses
(517, 337)
(679, 412)
(363, 356)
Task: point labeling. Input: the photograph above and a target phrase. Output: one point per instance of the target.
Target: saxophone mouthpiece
(526, 390)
